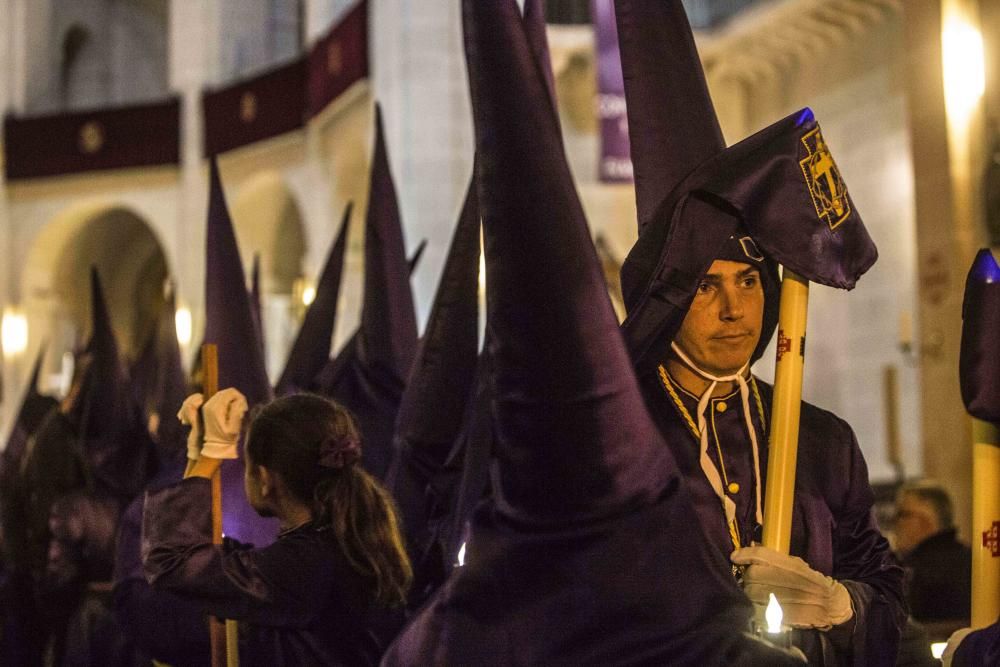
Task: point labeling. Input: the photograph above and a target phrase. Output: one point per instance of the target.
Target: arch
(268, 223)
(131, 263)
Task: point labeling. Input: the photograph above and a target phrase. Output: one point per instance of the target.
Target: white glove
(223, 414)
(808, 598)
(188, 416)
(953, 642)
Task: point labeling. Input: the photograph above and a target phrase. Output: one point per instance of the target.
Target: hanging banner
(615, 164)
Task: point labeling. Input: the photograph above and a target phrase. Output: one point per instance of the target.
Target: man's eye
(750, 281)
(703, 288)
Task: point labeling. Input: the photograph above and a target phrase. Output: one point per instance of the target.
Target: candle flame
(773, 614)
(461, 556)
(937, 649)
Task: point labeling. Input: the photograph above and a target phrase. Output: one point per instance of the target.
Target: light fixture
(182, 322)
(308, 295)
(14, 332)
(964, 66)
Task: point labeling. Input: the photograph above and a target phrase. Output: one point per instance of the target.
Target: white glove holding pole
(808, 599)
(188, 416)
(223, 415)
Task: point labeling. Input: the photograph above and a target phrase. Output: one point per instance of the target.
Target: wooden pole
(985, 523)
(218, 631)
(783, 448)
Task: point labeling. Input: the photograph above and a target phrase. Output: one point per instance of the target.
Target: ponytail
(364, 519)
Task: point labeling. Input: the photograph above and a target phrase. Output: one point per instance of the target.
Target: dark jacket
(298, 600)
(939, 579)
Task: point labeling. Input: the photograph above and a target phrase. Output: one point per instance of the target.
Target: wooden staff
(985, 523)
(786, 406)
(223, 635)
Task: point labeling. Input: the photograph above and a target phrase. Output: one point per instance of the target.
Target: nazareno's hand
(223, 415)
(808, 599)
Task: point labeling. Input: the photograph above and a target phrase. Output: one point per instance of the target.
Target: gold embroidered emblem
(334, 59)
(248, 107)
(91, 137)
(826, 185)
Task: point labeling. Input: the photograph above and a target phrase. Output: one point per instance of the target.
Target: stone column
(947, 150)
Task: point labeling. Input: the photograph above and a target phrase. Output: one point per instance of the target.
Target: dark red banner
(51, 145)
(339, 60)
(265, 106)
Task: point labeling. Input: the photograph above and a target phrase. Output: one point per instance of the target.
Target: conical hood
(442, 375)
(388, 320)
(335, 369)
(229, 319)
(439, 388)
(979, 362)
(229, 324)
(781, 187)
(553, 334)
(116, 443)
(312, 346)
(583, 474)
(255, 307)
(370, 375)
(534, 29)
(672, 124)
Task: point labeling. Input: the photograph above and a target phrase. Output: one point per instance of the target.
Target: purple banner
(616, 163)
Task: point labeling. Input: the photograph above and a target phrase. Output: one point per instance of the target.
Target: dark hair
(288, 436)
(934, 495)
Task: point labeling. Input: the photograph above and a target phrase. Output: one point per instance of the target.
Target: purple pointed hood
(583, 477)
(979, 362)
(779, 186)
(534, 29)
(311, 349)
(116, 443)
(672, 124)
(439, 388)
(369, 379)
(229, 324)
(442, 375)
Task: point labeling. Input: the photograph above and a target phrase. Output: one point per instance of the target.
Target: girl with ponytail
(315, 596)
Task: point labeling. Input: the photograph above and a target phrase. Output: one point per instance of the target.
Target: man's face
(915, 522)
(723, 325)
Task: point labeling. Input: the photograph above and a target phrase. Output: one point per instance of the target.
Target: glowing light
(964, 66)
(482, 271)
(937, 649)
(773, 615)
(182, 322)
(308, 295)
(461, 556)
(14, 332)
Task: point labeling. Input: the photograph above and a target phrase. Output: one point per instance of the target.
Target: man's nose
(732, 304)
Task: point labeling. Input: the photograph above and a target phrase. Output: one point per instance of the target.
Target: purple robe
(164, 626)
(298, 600)
(76, 581)
(833, 528)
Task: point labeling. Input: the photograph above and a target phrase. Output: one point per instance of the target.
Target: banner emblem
(826, 185)
(991, 539)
